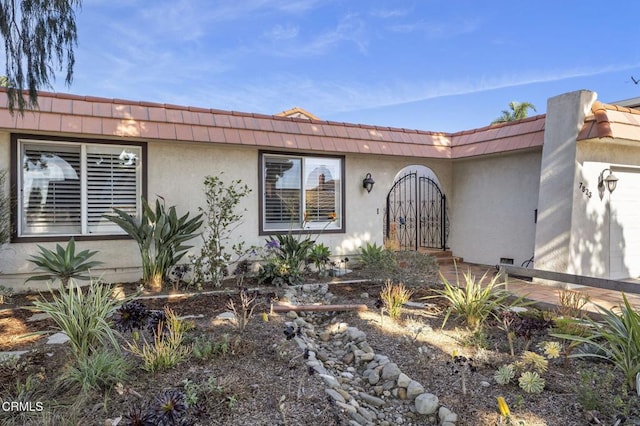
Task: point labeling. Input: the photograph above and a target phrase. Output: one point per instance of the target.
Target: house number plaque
(585, 190)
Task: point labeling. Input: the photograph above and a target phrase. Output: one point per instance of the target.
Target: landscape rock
(371, 400)
(446, 416)
(426, 403)
(403, 380)
(366, 386)
(390, 371)
(414, 389)
(57, 339)
(335, 395)
(230, 316)
(38, 317)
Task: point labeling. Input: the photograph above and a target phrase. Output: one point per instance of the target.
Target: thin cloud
(436, 30)
(334, 97)
(350, 29)
(282, 32)
(389, 13)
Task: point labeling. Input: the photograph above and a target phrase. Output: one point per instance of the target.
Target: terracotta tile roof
(109, 118)
(99, 117)
(611, 121)
(510, 136)
(297, 112)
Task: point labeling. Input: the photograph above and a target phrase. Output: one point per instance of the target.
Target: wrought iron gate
(416, 214)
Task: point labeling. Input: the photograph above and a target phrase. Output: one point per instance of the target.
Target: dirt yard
(259, 377)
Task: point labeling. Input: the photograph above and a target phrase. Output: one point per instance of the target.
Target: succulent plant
(170, 408)
(504, 374)
(531, 382)
(551, 349)
(139, 415)
(130, 316)
(157, 321)
(290, 332)
(535, 361)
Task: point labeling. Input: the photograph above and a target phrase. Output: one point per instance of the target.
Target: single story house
(533, 188)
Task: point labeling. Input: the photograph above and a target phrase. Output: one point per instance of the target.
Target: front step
(443, 257)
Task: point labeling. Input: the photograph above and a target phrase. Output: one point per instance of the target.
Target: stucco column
(564, 119)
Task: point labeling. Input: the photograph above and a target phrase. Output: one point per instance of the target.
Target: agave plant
(63, 263)
(615, 338)
(473, 301)
(160, 235)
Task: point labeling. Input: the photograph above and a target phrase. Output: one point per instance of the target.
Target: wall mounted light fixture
(368, 182)
(610, 182)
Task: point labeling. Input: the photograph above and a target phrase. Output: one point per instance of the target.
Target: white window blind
(301, 192)
(67, 187)
(282, 192)
(111, 182)
(51, 189)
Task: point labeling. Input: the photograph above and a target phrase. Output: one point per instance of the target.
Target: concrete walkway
(546, 296)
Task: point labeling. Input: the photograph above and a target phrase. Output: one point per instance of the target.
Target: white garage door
(624, 226)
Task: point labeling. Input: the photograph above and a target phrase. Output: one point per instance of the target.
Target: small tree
(39, 37)
(220, 220)
(516, 111)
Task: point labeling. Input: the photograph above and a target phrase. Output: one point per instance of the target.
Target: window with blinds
(67, 187)
(51, 189)
(112, 181)
(301, 192)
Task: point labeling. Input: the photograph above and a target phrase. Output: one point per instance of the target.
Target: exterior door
(416, 214)
(624, 226)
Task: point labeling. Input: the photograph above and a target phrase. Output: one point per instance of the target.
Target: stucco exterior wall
(176, 171)
(559, 176)
(493, 207)
(592, 222)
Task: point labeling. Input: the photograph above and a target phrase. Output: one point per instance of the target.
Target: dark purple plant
(157, 321)
(170, 408)
(131, 316)
(139, 415)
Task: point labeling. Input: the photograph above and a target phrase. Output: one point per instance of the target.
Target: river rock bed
(368, 387)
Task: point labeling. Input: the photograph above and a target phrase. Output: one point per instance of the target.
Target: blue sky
(421, 64)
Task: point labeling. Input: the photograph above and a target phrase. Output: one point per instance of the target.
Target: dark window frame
(262, 193)
(16, 165)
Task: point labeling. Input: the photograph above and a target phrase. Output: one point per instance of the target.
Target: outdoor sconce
(611, 181)
(368, 182)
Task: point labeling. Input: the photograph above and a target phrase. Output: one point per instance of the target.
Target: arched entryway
(416, 211)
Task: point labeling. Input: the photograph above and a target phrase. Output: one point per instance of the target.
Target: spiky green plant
(99, 371)
(63, 263)
(371, 254)
(394, 296)
(83, 317)
(167, 349)
(160, 235)
(616, 338)
(474, 301)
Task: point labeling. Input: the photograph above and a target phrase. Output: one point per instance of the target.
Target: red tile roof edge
(441, 140)
(125, 102)
(603, 128)
(500, 125)
(501, 131)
